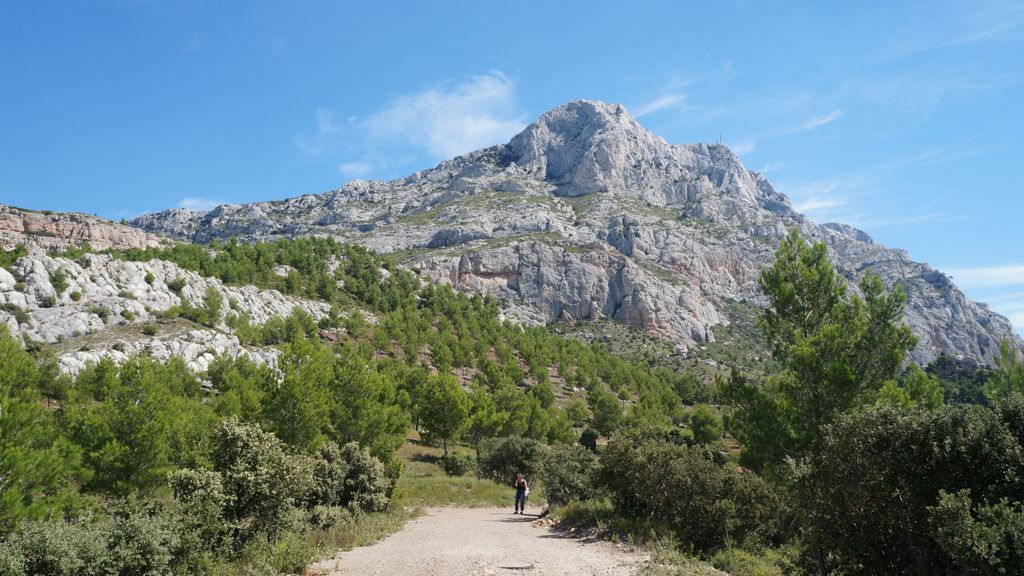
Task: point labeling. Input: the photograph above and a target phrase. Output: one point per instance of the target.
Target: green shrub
(75, 296)
(59, 280)
(706, 425)
(150, 329)
(459, 464)
(325, 517)
(349, 476)
(20, 316)
(588, 439)
(204, 505)
(150, 278)
(743, 563)
(917, 492)
(100, 311)
(177, 285)
(502, 458)
(140, 544)
(261, 480)
(48, 301)
(56, 549)
(705, 504)
(569, 474)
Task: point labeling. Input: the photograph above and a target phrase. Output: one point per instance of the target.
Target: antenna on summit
(719, 139)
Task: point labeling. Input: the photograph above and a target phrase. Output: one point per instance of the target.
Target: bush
(177, 285)
(569, 474)
(918, 492)
(48, 301)
(502, 458)
(325, 517)
(738, 562)
(150, 278)
(132, 544)
(204, 503)
(350, 477)
(588, 439)
(75, 296)
(705, 504)
(459, 464)
(706, 425)
(150, 329)
(259, 480)
(59, 280)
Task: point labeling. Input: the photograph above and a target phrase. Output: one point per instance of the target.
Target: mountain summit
(586, 215)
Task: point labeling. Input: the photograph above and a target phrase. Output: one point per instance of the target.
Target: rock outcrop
(587, 214)
(62, 230)
(111, 299)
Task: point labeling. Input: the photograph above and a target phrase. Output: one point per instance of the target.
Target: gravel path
(481, 541)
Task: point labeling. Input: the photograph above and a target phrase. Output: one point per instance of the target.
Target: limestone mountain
(587, 215)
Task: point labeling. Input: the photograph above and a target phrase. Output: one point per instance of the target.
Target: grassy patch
(424, 484)
(740, 344)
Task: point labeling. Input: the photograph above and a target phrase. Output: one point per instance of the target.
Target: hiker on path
(522, 491)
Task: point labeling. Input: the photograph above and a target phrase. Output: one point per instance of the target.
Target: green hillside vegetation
(145, 442)
(141, 469)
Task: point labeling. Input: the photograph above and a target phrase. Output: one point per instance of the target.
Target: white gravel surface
(482, 541)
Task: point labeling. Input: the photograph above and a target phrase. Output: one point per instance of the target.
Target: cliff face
(61, 230)
(586, 214)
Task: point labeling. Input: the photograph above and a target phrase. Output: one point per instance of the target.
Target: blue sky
(901, 118)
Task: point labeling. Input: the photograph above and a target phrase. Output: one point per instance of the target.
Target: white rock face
(198, 348)
(60, 230)
(104, 293)
(586, 213)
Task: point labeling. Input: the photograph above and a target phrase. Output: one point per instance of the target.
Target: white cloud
(813, 205)
(451, 120)
(199, 204)
(821, 120)
(325, 121)
(355, 168)
(671, 100)
(989, 276)
(742, 148)
(770, 167)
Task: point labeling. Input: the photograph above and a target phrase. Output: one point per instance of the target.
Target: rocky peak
(587, 146)
(587, 214)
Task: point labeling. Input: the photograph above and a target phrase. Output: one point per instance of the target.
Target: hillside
(586, 215)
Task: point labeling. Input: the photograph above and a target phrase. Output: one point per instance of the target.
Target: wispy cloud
(663, 102)
(316, 145)
(770, 167)
(452, 119)
(199, 204)
(355, 168)
(742, 148)
(819, 121)
(967, 24)
(989, 276)
(325, 121)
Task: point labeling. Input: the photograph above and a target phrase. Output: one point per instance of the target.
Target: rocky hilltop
(101, 306)
(585, 215)
(60, 230)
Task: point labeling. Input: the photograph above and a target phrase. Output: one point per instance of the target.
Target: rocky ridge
(587, 214)
(53, 231)
(113, 298)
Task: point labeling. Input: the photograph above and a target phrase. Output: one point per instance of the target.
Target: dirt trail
(481, 541)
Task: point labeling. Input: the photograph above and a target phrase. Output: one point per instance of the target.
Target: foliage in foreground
(917, 492)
